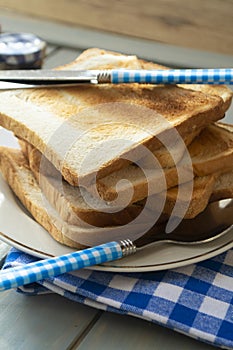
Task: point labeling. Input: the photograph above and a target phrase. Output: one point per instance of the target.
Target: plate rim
(129, 269)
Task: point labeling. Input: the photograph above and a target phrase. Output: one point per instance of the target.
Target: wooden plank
(60, 56)
(197, 24)
(50, 49)
(116, 332)
(80, 38)
(41, 322)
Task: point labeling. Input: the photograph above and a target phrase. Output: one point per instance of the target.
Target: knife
(11, 79)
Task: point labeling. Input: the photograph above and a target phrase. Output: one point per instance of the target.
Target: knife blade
(48, 76)
(6, 85)
(41, 78)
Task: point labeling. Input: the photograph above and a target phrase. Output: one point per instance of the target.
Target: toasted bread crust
(211, 153)
(13, 161)
(15, 170)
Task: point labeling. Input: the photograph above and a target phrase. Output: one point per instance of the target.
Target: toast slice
(206, 189)
(211, 152)
(186, 208)
(15, 170)
(117, 118)
(72, 208)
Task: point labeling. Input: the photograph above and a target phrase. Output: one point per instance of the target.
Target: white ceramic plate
(19, 230)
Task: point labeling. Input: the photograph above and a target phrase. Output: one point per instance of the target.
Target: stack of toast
(93, 158)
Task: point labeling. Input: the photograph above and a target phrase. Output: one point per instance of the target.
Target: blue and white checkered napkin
(196, 300)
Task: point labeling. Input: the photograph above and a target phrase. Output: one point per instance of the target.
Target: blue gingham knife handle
(39, 270)
(173, 76)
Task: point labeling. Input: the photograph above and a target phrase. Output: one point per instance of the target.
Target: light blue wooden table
(53, 322)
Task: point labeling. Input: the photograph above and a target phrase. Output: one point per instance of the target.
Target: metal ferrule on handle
(171, 76)
(39, 270)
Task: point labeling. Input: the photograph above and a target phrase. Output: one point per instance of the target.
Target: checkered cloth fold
(196, 300)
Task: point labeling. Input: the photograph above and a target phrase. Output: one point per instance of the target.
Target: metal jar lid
(21, 50)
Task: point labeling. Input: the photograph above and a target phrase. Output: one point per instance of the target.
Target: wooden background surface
(200, 24)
